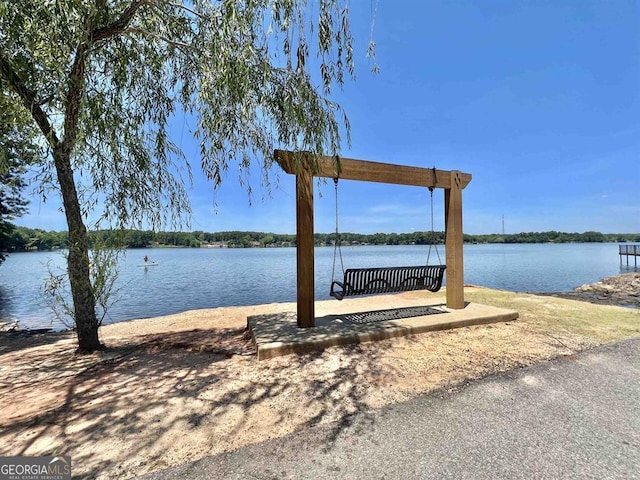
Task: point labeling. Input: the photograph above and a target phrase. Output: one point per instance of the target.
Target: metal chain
(433, 242)
(336, 244)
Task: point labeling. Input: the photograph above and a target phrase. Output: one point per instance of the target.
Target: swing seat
(371, 281)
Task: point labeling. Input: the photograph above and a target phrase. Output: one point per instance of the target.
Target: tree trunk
(84, 302)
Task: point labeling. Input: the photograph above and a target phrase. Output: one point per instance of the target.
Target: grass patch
(598, 323)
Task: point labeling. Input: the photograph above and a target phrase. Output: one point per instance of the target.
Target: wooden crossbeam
(367, 171)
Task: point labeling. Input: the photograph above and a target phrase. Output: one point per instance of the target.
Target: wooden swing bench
(371, 281)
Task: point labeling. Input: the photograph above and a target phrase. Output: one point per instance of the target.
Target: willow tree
(104, 79)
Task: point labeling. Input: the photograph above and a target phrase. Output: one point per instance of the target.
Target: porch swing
(372, 281)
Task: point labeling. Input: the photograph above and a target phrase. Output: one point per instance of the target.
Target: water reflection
(629, 269)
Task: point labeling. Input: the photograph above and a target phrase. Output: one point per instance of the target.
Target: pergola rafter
(305, 166)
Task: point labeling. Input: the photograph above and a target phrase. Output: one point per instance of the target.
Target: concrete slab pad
(277, 334)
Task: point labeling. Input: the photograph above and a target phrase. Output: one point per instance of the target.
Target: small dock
(629, 250)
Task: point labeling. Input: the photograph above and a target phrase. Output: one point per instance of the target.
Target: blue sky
(538, 100)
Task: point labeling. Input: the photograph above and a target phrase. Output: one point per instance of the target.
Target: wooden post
(304, 249)
(454, 242)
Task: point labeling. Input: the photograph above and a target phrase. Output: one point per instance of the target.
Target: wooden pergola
(305, 166)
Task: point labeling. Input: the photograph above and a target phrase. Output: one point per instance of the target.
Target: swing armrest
(337, 294)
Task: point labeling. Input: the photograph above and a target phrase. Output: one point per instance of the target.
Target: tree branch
(184, 7)
(74, 97)
(179, 45)
(29, 100)
(119, 25)
(77, 73)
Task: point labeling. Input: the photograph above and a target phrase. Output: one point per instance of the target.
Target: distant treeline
(26, 239)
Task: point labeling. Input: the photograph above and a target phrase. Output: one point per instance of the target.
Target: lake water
(187, 279)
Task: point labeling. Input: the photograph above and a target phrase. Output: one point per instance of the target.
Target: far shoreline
(27, 239)
(345, 245)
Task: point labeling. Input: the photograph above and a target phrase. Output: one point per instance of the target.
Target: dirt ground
(178, 388)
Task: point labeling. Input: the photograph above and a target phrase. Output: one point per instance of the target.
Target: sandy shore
(177, 388)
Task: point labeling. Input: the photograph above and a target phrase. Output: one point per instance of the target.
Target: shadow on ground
(12, 341)
(201, 390)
